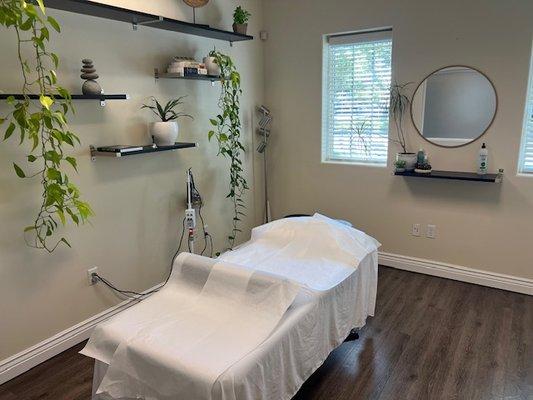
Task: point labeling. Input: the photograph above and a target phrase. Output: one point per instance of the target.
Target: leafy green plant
(400, 164)
(227, 131)
(399, 104)
(167, 113)
(44, 124)
(241, 16)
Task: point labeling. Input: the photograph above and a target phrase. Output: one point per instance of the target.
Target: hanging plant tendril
(227, 132)
(44, 124)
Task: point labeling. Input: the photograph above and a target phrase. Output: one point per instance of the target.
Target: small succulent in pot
(400, 165)
(240, 20)
(165, 133)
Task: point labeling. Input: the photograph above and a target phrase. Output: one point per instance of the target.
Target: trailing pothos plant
(43, 124)
(227, 132)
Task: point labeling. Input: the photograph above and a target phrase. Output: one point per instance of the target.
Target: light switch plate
(415, 230)
(431, 231)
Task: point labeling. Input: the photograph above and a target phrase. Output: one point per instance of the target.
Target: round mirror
(454, 106)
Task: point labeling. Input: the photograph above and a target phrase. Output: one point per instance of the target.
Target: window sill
(355, 163)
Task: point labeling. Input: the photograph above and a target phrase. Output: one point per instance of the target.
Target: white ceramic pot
(409, 158)
(164, 133)
(212, 66)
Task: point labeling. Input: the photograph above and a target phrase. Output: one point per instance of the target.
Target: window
(356, 95)
(526, 151)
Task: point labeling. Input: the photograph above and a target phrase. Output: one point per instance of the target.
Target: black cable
(203, 229)
(211, 241)
(136, 295)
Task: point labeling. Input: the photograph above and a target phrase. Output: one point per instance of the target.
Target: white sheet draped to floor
(253, 324)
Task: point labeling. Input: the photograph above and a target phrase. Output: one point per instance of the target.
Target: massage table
(314, 312)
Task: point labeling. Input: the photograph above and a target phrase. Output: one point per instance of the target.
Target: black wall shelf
(136, 18)
(146, 150)
(211, 78)
(461, 176)
(101, 97)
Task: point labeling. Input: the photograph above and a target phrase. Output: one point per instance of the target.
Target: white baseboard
(458, 273)
(33, 356)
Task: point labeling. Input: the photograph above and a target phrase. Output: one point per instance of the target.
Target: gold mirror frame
(482, 133)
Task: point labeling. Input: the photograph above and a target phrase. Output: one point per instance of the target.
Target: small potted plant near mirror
(399, 104)
(165, 132)
(400, 165)
(240, 20)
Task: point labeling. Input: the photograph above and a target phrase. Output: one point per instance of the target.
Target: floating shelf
(461, 176)
(146, 149)
(136, 18)
(101, 97)
(211, 78)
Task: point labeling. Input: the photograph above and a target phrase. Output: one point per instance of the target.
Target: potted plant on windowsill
(240, 20)
(399, 104)
(165, 132)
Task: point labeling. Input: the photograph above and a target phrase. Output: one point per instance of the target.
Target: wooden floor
(431, 338)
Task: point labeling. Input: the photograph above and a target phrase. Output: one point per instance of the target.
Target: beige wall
(482, 226)
(138, 201)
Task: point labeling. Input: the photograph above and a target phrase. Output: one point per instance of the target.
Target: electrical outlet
(415, 230)
(431, 231)
(92, 280)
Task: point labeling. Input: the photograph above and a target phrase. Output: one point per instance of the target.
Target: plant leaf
(41, 6)
(72, 161)
(9, 131)
(46, 101)
(53, 23)
(20, 173)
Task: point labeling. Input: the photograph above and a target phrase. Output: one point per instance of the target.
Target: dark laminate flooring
(431, 338)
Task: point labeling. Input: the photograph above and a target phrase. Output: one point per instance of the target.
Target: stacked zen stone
(90, 86)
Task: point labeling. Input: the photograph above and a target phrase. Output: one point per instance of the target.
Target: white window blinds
(356, 94)
(526, 153)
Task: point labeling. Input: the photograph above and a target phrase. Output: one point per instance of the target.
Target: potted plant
(399, 104)
(165, 132)
(240, 20)
(400, 165)
(211, 63)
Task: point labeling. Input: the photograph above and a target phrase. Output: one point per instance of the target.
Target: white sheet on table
(316, 251)
(186, 283)
(312, 327)
(184, 354)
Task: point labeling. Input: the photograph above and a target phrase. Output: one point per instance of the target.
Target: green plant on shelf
(42, 125)
(400, 164)
(168, 112)
(227, 131)
(241, 16)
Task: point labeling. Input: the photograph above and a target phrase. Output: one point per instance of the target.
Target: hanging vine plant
(227, 131)
(43, 124)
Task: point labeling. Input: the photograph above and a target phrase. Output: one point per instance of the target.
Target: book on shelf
(120, 149)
